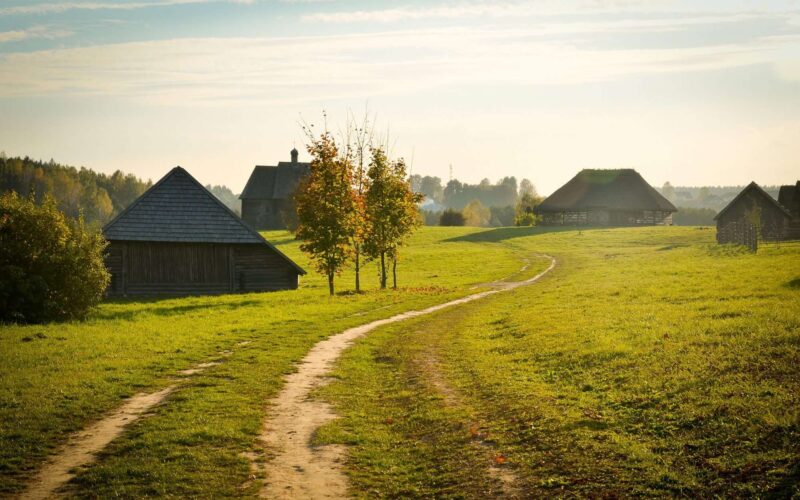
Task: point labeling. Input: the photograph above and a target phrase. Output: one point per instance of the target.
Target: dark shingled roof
(757, 189)
(275, 182)
(620, 189)
(789, 197)
(179, 209)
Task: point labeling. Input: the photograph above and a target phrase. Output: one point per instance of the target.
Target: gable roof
(614, 189)
(789, 198)
(275, 182)
(758, 190)
(179, 209)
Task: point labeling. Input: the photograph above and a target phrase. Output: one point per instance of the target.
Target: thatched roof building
(178, 238)
(619, 197)
(267, 197)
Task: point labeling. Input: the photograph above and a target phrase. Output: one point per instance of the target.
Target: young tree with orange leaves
(327, 211)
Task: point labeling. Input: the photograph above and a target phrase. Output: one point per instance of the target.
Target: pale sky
(697, 92)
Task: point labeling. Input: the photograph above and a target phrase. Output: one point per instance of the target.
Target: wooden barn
(619, 197)
(267, 197)
(179, 239)
(755, 207)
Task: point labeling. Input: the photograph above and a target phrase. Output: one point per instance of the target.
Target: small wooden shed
(750, 208)
(179, 239)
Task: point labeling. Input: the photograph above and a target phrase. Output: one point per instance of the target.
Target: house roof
(617, 189)
(275, 182)
(757, 189)
(179, 209)
(789, 198)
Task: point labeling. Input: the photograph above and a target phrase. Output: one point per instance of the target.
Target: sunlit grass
(56, 378)
(650, 362)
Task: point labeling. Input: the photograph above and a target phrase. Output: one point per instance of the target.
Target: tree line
(98, 196)
(355, 204)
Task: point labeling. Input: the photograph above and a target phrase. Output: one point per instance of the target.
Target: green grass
(650, 362)
(56, 378)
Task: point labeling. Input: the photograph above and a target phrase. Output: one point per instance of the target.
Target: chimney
(294, 155)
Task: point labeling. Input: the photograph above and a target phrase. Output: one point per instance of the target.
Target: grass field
(54, 379)
(650, 362)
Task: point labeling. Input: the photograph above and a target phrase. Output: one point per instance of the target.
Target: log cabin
(179, 239)
(771, 220)
(614, 197)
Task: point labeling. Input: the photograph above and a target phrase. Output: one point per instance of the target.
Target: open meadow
(650, 361)
(56, 378)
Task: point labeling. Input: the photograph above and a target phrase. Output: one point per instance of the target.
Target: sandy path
(82, 447)
(296, 469)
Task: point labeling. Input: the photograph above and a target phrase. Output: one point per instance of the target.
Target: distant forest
(102, 196)
(98, 196)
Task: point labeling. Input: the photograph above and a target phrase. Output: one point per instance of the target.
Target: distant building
(619, 197)
(267, 199)
(772, 220)
(179, 239)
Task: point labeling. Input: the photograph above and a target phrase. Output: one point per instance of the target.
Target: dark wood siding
(150, 268)
(773, 223)
(257, 267)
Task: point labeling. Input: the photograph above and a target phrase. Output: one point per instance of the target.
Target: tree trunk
(358, 268)
(394, 274)
(383, 270)
(330, 283)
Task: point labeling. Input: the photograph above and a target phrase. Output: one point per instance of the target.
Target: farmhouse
(619, 197)
(267, 197)
(773, 220)
(178, 239)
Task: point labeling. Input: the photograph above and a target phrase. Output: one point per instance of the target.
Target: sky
(694, 92)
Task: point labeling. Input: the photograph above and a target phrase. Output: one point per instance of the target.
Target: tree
(391, 207)
(431, 187)
(527, 187)
(51, 267)
(475, 214)
(326, 208)
(451, 217)
(524, 213)
(359, 138)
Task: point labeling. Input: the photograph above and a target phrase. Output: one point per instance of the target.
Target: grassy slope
(650, 362)
(56, 378)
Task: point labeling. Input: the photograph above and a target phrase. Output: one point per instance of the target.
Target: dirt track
(295, 469)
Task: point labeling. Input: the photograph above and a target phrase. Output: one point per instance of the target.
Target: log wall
(155, 268)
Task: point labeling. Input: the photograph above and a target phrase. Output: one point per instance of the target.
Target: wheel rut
(295, 468)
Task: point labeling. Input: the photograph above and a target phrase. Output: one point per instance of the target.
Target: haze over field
(694, 92)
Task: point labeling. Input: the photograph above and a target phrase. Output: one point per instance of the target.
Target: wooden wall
(774, 223)
(608, 218)
(263, 214)
(154, 268)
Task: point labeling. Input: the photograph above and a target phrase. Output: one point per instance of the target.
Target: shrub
(51, 267)
(451, 217)
(475, 214)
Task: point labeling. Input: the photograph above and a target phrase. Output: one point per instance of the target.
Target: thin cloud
(57, 8)
(34, 32)
(248, 70)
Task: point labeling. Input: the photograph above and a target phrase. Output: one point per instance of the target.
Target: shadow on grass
(793, 284)
(507, 233)
(166, 310)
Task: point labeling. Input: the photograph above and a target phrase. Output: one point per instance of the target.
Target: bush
(451, 217)
(51, 267)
